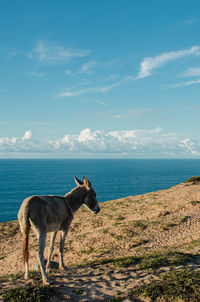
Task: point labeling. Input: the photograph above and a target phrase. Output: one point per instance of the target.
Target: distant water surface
(112, 179)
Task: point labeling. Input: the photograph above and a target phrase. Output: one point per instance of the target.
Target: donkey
(52, 214)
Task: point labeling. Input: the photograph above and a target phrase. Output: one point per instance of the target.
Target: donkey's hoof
(26, 277)
(46, 282)
(63, 267)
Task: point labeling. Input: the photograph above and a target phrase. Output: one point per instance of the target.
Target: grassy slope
(150, 242)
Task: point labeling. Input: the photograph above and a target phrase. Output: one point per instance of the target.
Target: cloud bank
(98, 143)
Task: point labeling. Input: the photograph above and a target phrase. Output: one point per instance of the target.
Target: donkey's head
(90, 199)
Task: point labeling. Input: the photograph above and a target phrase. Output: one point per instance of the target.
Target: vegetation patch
(129, 232)
(193, 244)
(78, 291)
(118, 223)
(35, 274)
(140, 224)
(164, 213)
(116, 262)
(169, 225)
(11, 277)
(3, 279)
(2, 256)
(88, 252)
(10, 228)
(29, 293)
(195, 202)
(156, 260)
(193, 179)
(185, 219)
(180, 284)
(124, 262)
(139, 243)
(120, 217)
(102, 251)
(150, 261)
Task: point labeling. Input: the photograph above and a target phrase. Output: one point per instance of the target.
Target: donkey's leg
(25, 229)
(26, 254)
(62, 242)
(51, 247)
(42, 240)
(26, 270)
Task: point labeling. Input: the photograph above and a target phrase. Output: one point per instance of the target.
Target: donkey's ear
(86, 183)
(77, 181)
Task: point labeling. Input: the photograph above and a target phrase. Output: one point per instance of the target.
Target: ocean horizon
(111, 178)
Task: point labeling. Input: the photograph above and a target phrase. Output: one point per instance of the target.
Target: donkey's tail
(26, 230)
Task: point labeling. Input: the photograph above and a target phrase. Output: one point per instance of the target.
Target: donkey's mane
(74, 199)
(74, 190)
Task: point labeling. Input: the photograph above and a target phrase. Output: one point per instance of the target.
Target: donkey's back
(50, 213)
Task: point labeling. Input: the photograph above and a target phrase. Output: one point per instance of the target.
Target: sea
(111, 178)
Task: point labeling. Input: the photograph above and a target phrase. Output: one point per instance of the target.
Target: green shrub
(193, 179)
(181, 284)
(156, 260)
(29, 293)
(124, 262)
(195, 202)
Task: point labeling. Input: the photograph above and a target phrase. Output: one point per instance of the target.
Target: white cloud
(117, 116)
(87, 68)
(35, 74)
(149, 64)
(86, 136)
(190, 21)
(93, 89)
(18, 144)
(101, 103)
(132, 143)
(112, 77)
(39, 123)
(186, 23)
(80, 92)
(12, 54)
(68, 72)
(192, 72)
(27, 135)
(132, 113)
(181, 84)
(189, 145)
(55, 54)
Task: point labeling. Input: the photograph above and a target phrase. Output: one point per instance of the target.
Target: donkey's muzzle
(96, 210)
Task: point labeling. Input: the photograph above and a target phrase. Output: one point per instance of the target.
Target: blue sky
(110, 79)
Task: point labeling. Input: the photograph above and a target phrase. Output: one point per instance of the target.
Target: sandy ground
(131, 226)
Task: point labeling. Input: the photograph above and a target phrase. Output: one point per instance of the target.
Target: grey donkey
(52, 214)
